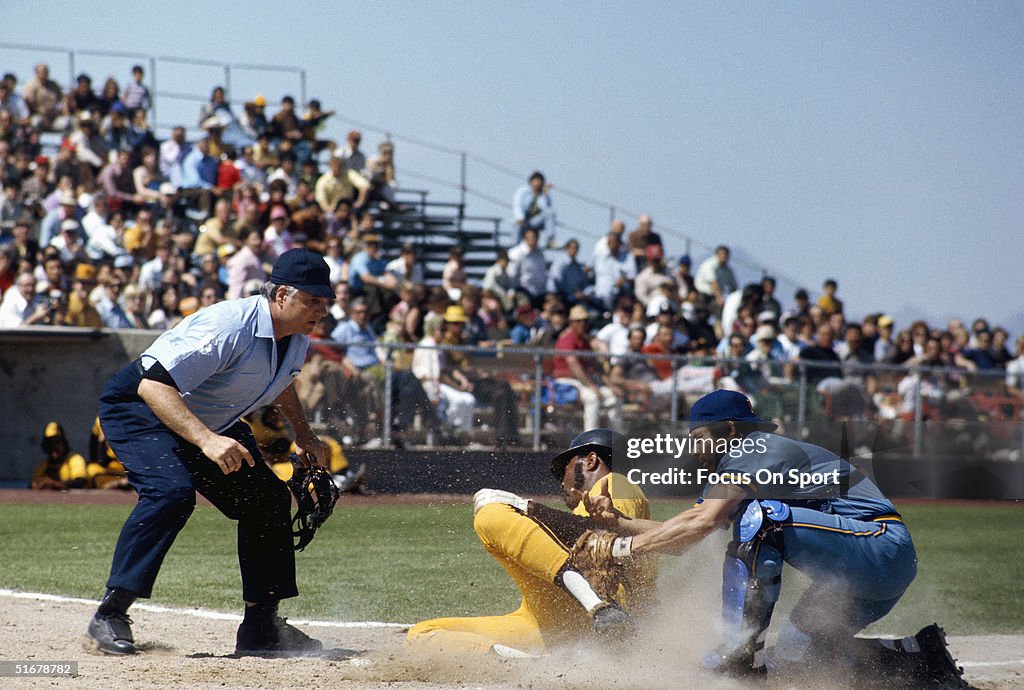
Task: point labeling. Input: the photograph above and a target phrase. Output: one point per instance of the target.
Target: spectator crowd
(118, 229)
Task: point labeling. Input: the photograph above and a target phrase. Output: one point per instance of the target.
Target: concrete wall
(55, 374)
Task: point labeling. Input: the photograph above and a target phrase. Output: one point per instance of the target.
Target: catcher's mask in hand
(315, 493)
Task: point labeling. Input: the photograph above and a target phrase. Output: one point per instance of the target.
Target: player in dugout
(61, 469)
(847, 537)
(533, 543)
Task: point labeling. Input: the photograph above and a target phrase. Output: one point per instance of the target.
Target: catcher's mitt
(315, 493)
(592, 557)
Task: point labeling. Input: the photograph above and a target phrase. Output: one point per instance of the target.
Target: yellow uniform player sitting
(533, 543)
(61, 469)
(104, 470)
(275, 440)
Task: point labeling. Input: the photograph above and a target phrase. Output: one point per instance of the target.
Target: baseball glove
(592, 557)
(315, 493)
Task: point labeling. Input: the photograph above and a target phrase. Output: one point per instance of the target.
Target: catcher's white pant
(593, 403)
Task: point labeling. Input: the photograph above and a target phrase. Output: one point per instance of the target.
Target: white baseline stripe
(217, 615)
(981, 664)
(197, 613)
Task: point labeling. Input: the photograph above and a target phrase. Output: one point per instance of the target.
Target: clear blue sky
(879, 143)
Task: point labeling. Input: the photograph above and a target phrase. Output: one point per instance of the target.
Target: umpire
(173, 417)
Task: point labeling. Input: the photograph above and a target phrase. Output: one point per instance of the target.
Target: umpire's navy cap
(722, 406)
(606, 443)
(303, 269)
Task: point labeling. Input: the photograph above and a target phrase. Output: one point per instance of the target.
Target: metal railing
(921, 410)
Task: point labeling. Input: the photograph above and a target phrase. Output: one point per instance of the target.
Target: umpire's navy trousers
(166, 471)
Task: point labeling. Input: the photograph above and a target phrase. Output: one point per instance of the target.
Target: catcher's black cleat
(610, 620)
(277, 639)
(936, 667)
(112, 633)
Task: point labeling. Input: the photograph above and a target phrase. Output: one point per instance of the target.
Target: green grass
(405, 563)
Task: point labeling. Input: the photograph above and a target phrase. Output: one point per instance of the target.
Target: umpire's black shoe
(610, 620)
(112, 633)
(277, 639)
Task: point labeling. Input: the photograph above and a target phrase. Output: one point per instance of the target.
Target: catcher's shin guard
(751, 581)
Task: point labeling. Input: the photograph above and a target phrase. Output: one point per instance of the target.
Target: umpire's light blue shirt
(224, 360)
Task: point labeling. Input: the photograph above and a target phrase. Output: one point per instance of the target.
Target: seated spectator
(498, 280)
(1015, 368)
(568, 277)
(168, 308)
(199, 175)
(61, 469)
(91, 149)
(361, 358)
(648, 282)
(661, 344)
(980, 357)
(80, 311)
(429, 366)
(13, 104)
(21, 306)
(453, 277)
(640, 239)
(39, 186)
(172, 154)
(109, 97)
(140, 134)
(104, 470)
(601, 246)
(999, 352)
(117, 131)
(380, 170)
(148, 178)
(613, 338)
(277, 238)
(492, 314)
(828, 301)
(246, 264)
(43, 97)
(340, 182)
(109, 307)
(118, 180)
(405, 268)
(613, 272)
(532, 207)
(69, 243)
(368, 278)
(715, 279)
(461, 375)
(528, 268)
(586, 374)
(351, 153)
(313, 124)
(667, 317)
(821, 351)
(217, 230)
(254, 117)
(136, 94)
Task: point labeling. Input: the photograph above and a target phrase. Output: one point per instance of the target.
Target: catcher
(563, 598)
(846, 537)
(173, 419)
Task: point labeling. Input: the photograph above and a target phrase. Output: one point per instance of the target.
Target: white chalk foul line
(196, 613)
(983, 664)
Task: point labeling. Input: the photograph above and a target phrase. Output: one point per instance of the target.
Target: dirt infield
(182, 649)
